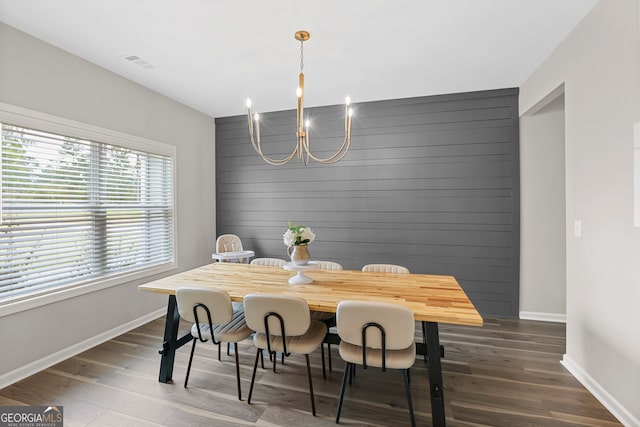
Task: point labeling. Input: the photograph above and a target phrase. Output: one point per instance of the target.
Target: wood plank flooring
(507, 373)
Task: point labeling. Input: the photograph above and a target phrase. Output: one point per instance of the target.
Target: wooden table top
(432, 298)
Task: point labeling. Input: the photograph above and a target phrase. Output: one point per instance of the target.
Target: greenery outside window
(77, 210)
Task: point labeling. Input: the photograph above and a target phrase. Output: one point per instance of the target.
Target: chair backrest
(328, 265)
(385, 268)
(293, 310)
(396, 320)
(270, 262)
(228, 243)
(217, 301)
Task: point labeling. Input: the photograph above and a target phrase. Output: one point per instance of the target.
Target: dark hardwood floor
(507, 373)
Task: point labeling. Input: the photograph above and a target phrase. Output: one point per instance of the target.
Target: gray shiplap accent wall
(431, 183)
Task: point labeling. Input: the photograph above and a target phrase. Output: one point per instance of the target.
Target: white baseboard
(34, 367)
(620, 412)
(544, 317)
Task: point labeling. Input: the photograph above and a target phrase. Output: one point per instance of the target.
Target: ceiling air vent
(135, 59)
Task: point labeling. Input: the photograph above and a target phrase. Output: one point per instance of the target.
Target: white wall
(542, 217)
(599, 64)
(41, 77)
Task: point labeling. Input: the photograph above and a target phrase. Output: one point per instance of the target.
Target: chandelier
(302, 149)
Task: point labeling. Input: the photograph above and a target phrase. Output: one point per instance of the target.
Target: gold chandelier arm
(277, 162)
(344, 148)
(257, 146)
(336, 157)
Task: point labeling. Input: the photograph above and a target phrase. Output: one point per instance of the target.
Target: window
(77, 210)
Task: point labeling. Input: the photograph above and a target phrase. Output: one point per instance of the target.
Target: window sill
(28, 302)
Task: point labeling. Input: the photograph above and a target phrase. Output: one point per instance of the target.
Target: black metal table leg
(171, 342)
(435, 375)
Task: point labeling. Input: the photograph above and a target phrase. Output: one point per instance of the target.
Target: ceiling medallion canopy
(302, 149)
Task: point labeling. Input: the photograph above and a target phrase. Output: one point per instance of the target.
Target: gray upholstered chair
(269, 262)
(283, 325)
(213, 319)
(385, 268)
(376, 334)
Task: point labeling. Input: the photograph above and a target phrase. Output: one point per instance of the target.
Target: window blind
(74, 210)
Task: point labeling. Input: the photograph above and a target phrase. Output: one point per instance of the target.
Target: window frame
(27, 118)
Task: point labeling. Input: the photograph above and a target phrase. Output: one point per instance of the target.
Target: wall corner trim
(620, 412)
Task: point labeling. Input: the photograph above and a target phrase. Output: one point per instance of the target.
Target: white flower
(289, 238)
(298, 235)
(307, 234)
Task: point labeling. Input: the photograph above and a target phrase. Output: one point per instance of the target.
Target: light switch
(577, 228)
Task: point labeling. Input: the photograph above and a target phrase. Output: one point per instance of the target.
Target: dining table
(434, 299)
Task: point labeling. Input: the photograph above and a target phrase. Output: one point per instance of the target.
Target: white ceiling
(213, 54)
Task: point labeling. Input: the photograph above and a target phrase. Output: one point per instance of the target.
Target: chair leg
(324, 373)
(313, 404)
(253, 376)
(262, 358)
(329, 355)
(409, 400)
(193, 348)
(424, 339)
(235, 350)
(219, 345)
(346, 373)
(228, 346)
(352, 372)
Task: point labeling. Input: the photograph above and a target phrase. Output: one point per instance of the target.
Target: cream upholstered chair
(270, 262)
(327, 265)
(398, 269)
(385, 268)
(376, 334)
(319, 315)
(214, 319)
(283, 324)
(328, 318)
